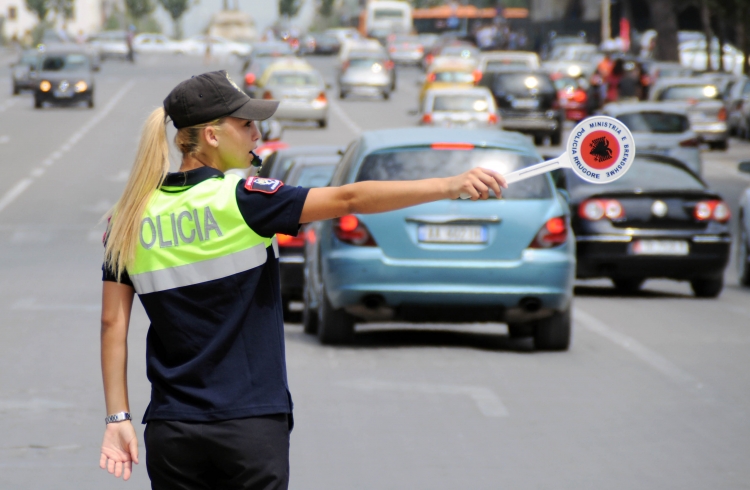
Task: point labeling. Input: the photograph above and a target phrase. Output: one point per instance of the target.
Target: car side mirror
(744, 167)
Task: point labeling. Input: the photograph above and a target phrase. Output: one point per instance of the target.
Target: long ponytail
(150, 167)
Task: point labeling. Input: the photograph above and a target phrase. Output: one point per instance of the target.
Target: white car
(156, 43)
(214, 45)
(693, 55)
(110, 44)
(662, 128)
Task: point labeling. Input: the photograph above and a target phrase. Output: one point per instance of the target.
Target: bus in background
(381, 18)
(462, 19)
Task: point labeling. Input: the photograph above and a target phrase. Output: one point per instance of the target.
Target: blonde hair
(148, 173)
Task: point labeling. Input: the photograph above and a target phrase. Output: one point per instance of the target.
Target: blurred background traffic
(642, 283)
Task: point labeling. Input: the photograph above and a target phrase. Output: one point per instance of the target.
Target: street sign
(600, 149)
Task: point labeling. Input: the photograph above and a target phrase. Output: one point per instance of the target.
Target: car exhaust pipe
(530, 304)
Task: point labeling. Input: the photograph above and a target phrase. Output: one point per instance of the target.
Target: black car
(65, 77)
(305, 171)
(528, 103)
(278, 163)
(659, 220)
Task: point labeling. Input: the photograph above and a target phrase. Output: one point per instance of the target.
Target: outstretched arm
(378, 197)
(120, 445)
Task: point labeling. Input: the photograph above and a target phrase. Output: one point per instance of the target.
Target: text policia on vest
(151, 229)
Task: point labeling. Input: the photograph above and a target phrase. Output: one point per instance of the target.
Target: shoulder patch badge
(266, 186)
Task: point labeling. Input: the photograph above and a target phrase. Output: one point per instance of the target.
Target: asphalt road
(652, 394)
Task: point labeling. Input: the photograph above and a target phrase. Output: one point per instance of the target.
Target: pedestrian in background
(198, 246)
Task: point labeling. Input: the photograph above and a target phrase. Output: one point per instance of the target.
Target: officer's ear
(211, 136)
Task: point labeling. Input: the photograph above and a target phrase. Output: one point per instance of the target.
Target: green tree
(176, 8)
(326, 7)
(64, 9)
(289, 8)
(138, 9)
(39, 7)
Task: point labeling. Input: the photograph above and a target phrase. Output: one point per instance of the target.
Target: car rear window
(425, 162)
(65, 62)
(462, 51)
(686, 92)
(461, 103)
(655, 122)
(365, 62)
(453, 77)
(314, 176)
(646, 175)
(500, 65)
(522, 83)
(293, 79)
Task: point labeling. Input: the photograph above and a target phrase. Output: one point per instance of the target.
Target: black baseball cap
(210, 96)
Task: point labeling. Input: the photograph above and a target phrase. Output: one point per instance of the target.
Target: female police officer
(199, 248)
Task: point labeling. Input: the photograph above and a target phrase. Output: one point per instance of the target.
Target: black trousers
(247, 454)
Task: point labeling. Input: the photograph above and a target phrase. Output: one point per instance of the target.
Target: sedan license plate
(525, 103)
(63, 95)
(660, 247)
(452, 234)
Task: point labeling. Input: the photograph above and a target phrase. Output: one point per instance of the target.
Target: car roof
(416, 136)
(459, 91)
(451, 64)
(617, 108)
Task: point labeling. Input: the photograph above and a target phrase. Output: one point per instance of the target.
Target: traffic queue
(512, 260)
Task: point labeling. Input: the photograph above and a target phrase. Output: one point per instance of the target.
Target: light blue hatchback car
(506, 260)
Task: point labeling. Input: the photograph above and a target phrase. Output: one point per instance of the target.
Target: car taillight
(267, 95)
(392, 49)
(427, 118)
(452, 146)
(477, 76)
(249, 78)
(350, 230)
(492, 118)
(291, 241)
(579, 96)
(389, 65)
(428, 59)
(596, 209)
(431, 77)
(714, 209)
(553, 233)
(722, 116)
(322, 98)
(420, 49)
(691, 143)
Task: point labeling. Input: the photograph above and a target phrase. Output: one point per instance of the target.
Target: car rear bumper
(301, 111)
(530, 124)
(597, 257)
(74, 98)
(355, 279)
(716, 131)
(406, 57)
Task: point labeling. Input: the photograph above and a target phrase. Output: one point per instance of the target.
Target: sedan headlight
(81, 86)
(45, 86)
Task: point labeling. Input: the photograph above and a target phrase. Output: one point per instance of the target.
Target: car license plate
(660, 247)
(452, 234)
(525, 103)
(63, 95)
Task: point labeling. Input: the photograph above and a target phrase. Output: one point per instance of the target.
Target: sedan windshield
(645, 175)
(426, 162)
(453, 77)
(687, 92)
(293, 79)
(655, 122)
(63, 62)
(460, 103)
(315, 176)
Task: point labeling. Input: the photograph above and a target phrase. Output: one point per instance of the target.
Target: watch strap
(117, 417)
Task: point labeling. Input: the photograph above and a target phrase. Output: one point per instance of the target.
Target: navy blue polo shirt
(215, 350)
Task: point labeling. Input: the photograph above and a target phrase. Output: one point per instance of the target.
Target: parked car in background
(149, 43)
(528, 103)
(743, 241)
(706, 111)
(309, 172)
(65, 78)
(24, 71)
(459, 107)
(508, 260)
(110, 44)
(661, 128)
(367, 74)
(659, 220)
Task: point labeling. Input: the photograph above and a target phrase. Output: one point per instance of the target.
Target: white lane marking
(4, 139)
(7, 104)
(487, 401)
(648, 356)
(23, 184)
(344, 117)
(30, 304)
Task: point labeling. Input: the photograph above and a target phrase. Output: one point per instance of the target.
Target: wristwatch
(117, 417)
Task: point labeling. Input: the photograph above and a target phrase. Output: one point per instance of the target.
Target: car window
(28, 59)
(462, 51)
(452, 77)
(426, 162)
(293, 79)
(655, 122)
(645, 174)
(313, 175)
(461, 103)
(686, 92)
(522, 83)
(499, 65)
(65, 62)
(342, 169)
(368, 63)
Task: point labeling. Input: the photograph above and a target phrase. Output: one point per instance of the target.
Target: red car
(572, 96)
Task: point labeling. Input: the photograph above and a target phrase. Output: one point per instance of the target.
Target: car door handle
(453, 220)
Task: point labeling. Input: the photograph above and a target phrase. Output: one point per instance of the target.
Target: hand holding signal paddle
(600, 150)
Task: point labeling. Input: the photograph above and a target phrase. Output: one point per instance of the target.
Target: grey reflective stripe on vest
(275, 244)
(208, 270)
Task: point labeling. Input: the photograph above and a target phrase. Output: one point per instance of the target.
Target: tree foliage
(39, 7)
(63, 8)
(289, 8)
(176, 9)
(326, 7)
(139, 9)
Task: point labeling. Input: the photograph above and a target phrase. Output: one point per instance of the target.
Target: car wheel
(37, 103)
(323, 123)
(743, 255)
(628, 284)
(719, 145)
(16, 90)
(553, 333)
(386, 95)
(556, 138)
(309, 315)
(538, 139)
(520, 330)
(334, 326)
(707, 287)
